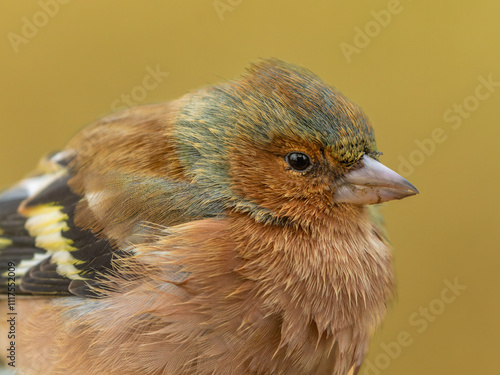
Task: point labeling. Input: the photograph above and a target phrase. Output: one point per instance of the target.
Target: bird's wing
(39, 237)
(90, 204)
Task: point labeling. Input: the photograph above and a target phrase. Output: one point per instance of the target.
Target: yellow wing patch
(4, 242)
(47, 224)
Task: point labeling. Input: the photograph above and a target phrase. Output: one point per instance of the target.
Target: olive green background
(73, 63)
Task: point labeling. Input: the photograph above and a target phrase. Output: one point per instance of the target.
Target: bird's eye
(299, 161)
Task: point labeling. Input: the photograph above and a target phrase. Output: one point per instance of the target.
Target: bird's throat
(336, 273)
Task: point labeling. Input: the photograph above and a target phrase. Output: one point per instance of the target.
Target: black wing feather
(72, 267)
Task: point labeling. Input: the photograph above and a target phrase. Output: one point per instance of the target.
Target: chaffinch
(228, 232)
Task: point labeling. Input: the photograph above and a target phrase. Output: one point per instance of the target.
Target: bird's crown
(241, 140)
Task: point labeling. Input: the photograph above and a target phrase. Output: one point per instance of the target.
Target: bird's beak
(372, 183)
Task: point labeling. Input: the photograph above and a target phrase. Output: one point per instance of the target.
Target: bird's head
(281, 144)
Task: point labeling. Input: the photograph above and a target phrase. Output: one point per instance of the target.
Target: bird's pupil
(298, 161)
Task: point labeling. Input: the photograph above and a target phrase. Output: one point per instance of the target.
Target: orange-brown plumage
(228, 259)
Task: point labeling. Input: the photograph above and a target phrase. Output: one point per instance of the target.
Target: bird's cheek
(256, 176)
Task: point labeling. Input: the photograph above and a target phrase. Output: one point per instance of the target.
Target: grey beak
(372, 183)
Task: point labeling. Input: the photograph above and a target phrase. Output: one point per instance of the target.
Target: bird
(234, 230)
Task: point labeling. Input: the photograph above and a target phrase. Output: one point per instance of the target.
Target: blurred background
(427, 73)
